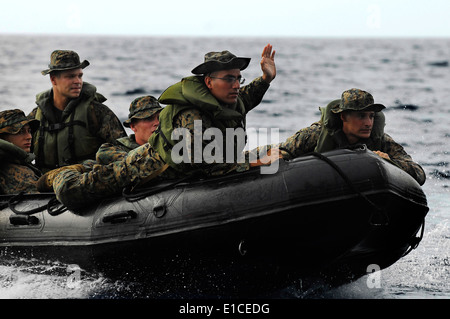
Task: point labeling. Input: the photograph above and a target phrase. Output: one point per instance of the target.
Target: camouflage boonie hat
(357, 100)
(12, 121)
(217, 61)
(142, 107)
(61, 60)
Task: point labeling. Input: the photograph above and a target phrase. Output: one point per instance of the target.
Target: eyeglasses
(230, 79)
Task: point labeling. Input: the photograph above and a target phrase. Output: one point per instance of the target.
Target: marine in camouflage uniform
(74, 120)
(17, 173)
(189, 100)
(326, 134)
(205, 97)
(142, 108)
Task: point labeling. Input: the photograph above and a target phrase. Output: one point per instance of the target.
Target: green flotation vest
(14, 154)
(69, 141)
(332, 137)
(191, 92)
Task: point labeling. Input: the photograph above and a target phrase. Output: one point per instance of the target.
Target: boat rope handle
(54, 203)
(353, 188)
(13, 201)
(120, 216)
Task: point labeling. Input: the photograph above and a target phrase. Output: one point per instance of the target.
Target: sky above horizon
(291, 18)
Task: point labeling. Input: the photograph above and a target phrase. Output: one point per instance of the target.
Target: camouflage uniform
(113, 152)
(75, 134)
(190, 100)
(145, 161)
(17, 173)
(306, 140)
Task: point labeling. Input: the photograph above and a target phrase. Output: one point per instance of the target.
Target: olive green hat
(62, 60)
(142, 107)
(217, 61)
(12, 121)
(357, 100)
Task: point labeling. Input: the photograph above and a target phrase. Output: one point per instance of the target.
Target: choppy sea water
(410, 76)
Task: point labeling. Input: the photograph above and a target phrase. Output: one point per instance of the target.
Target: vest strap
(71, 140)
(167, 146)
(60, 126)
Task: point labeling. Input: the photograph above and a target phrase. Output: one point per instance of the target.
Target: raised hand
(268, 64)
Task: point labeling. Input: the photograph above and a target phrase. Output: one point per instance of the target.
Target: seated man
(354, 119)
(213, 98)
(74, 122)
(17, 173)
(143, 120)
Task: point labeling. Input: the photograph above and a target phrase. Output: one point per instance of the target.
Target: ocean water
(410, 76)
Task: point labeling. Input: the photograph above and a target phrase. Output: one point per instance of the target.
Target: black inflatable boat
(332, 214)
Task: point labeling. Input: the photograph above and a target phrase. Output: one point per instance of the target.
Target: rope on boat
(129, 194)
(13, 201)
(414, 242)
(377, 209)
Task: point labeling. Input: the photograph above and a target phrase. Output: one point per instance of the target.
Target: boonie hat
(142, 107)
(12, 121)
(217, 61)
(61, 60)
(357, 100)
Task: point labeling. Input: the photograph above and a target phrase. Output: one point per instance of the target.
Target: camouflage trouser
(75, 189)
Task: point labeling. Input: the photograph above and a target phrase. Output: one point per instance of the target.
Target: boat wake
(33, 279)
(424, 272)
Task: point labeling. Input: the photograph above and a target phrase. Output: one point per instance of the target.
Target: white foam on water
(52, 280)
(425, 272)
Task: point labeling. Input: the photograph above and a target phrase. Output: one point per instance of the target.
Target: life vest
(191, 92)
(332, 137)
(13, 159)
(69, 141)
(14, 154)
